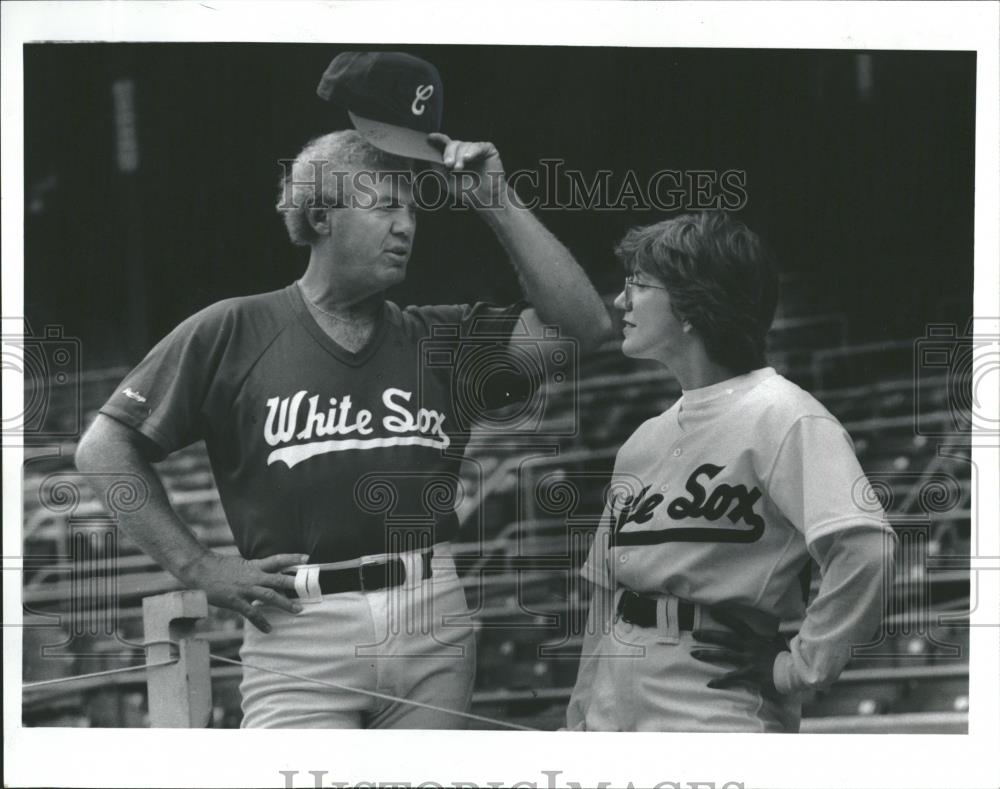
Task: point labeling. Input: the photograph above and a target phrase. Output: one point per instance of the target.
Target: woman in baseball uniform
(717, 506)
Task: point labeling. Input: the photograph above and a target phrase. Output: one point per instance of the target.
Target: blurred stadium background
(150, 172)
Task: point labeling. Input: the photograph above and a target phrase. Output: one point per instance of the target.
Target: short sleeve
(168, 397)
(465, 321)
(817, 482)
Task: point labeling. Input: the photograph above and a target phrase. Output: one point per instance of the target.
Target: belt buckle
(307, 586)
(668, 620)
(361, 573)
(393, 574)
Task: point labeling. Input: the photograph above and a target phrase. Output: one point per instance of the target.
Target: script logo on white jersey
(421, 428)
(735, 502)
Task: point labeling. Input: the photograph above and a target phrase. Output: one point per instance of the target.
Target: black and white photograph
(376, 374)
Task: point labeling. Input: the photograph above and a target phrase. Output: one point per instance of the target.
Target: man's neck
(351, 330)
(326, 296)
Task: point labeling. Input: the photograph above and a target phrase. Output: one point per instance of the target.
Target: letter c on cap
(424, 92)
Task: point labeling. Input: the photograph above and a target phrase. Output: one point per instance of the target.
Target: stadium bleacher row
(526, 514)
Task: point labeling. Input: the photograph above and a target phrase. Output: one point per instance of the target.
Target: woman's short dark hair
(720, 277)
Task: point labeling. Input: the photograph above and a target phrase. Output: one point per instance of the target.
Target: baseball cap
(393, 99)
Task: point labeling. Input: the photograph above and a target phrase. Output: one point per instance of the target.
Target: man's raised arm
(553, 281)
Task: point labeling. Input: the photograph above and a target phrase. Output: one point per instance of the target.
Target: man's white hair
(318, 173)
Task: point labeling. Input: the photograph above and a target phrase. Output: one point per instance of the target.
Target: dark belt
(368, 577)
(640, 610)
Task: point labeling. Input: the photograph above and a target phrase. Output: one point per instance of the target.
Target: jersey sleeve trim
(144, 428)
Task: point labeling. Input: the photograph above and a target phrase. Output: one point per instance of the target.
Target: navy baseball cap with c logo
(393, 99)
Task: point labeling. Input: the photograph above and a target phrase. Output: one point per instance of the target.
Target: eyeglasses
(631, 283)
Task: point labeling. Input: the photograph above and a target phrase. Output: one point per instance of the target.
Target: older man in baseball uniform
(335, 450)
(721, 501)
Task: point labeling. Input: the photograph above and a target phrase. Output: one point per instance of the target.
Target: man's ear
(319, 220)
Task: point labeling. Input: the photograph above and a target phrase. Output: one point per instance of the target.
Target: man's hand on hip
(245, 585)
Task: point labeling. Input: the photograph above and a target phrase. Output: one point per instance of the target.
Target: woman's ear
(319, 220)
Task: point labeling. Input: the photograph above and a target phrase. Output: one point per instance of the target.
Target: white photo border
(111, 758)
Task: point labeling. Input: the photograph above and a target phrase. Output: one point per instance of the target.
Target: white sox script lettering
(421, 428)
(736, 502)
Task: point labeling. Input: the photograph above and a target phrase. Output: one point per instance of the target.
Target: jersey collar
(354, 359)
